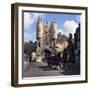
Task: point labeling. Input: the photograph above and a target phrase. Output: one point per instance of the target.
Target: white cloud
(61, 30)
(30, 18)
(27, 37)
(68, 27)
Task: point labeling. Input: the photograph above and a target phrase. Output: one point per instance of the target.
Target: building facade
(48, 37)
(77, 44)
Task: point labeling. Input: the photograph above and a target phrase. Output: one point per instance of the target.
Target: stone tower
(45, 36)
(53, 35)
(40, 32)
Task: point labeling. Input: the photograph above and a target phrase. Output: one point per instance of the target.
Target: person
(33, 56)
(59, 59)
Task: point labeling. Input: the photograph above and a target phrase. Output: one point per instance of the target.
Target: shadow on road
(46, 68)
(72, 69)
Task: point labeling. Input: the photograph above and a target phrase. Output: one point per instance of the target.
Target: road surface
(35, 69)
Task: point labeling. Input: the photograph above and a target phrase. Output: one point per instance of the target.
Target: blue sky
(66, 23)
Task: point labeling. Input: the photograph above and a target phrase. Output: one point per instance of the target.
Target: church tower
(53, 35)
(40, 32)
(45, 36)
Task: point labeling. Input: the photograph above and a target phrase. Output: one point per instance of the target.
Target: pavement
(41, 69)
